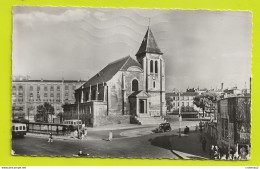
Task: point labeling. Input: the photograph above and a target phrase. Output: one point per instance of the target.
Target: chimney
(222, 86)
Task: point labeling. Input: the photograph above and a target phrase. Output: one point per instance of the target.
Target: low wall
(111, 120)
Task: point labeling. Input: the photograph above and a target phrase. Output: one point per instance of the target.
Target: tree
(43, 112)
(169, 103)
(205, 100)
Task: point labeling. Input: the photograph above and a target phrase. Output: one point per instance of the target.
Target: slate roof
(148, 44)
(111, 69)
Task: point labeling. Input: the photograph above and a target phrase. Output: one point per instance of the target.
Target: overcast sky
(201, 48)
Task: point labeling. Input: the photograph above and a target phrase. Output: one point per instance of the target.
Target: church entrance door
(142, 106)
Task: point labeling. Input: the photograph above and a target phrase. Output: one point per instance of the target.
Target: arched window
(153, 84)
(156, 67)
(151, 66)
(134, 85)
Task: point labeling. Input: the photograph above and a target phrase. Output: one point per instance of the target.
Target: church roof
(111, 69)
(148, 44)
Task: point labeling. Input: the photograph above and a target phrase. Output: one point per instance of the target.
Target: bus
(18, 129)
(73, 124)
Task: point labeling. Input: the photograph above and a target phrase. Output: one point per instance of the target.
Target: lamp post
(180, 118)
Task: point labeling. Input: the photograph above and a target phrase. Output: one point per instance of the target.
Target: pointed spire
(148, 44)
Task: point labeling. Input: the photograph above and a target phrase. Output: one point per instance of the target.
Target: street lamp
(180, 118)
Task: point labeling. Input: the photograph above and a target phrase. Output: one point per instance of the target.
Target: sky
(202, 48)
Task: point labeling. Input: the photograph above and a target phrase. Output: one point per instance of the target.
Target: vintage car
(163, 127)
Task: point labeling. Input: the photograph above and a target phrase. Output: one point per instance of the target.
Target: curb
(178, 153)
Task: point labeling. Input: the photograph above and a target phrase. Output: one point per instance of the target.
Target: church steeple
(148, 45)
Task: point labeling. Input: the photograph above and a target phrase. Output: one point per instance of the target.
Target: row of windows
(20, 88)
(38, 100)
(16, 128)
(45, 94)
(47, 100)
(182, 104)
(183, 98)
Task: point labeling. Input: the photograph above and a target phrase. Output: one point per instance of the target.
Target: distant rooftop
(182, 94)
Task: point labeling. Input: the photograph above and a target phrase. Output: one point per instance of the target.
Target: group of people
(80, 133)
(222, 153)
(225, 153)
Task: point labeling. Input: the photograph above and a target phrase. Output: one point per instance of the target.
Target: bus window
(20, 128)
(16, 128)
(13, 128)
(23, 127)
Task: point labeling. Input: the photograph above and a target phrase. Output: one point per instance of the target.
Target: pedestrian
(204, 142)
(79, 134)
(243, 154)
(82, 134)
(75, 134)
(227, 153)
(86, 132)
(232, 152)
(200, 125)
(50, 138)
(110, 136)
(80, 153)
(57, 130)
(211, 151)
(215, 155)
(186, 130)
(63, 130)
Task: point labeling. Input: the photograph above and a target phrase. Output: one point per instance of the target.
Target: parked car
(163, 127)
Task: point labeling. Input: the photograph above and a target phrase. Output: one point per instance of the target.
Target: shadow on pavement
(190, 144)
(162, 141)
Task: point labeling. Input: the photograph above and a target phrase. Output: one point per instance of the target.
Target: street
(138, 142)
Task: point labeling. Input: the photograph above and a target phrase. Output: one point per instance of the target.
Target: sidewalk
(116, 127)
(54, 136)
(189, 146)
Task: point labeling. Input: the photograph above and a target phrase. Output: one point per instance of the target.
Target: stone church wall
(115, 91)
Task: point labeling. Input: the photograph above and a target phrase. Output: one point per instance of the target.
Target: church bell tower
(150, 57)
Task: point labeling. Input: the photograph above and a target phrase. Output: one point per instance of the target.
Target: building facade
(234, 123)
(125, 89)
(28, 94)
(184, 101)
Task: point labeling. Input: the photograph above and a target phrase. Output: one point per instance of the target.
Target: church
(128, 90)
